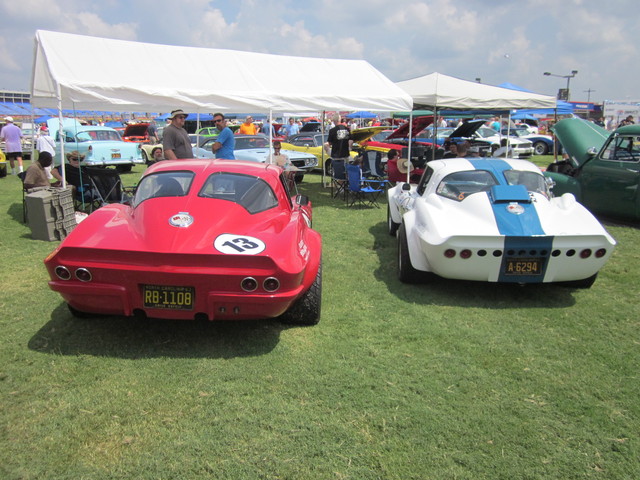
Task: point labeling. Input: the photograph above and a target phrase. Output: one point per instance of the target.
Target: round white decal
(233, 244)
(181, 220)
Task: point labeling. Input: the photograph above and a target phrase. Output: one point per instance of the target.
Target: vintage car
(312, 143)
(485, 138)
(100, 145)
(202, 239)
(255, 148)
(542, 144)
(602, 169)
(493, 220)
(365, 138)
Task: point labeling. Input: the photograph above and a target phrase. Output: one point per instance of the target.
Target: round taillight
(271, 284)
(449, 253)
(249, 284)
(497, 253)
(465, 253)
(586, 253)
(601, 252)
(83, 275)
(571, 253)
(63, 273)
(482, 253)
(555, 253)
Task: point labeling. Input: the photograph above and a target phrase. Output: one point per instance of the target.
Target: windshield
(484, 132)
(98, 135)
(252, 193)
(246, 143)
(458, 186)
(164, 184)
(534, 182)
(622, 148)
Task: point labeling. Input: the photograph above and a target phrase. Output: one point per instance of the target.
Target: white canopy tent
(442, 91)
(94, 73)
(439, 91)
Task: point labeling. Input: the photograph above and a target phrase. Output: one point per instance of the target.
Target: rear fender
(418, 258)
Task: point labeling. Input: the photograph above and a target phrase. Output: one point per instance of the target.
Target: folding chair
(107, 185)
(86, 197)
(376, 176)
(338, 179)
(360, 191)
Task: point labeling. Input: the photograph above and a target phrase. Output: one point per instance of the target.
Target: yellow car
(312, 142)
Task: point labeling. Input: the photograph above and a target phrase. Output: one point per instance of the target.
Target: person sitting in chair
(36, 174)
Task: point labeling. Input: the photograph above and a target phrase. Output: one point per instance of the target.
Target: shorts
(13, 155)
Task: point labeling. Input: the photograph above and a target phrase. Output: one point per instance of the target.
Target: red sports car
(210, 239)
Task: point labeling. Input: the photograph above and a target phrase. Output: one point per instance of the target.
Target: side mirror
(550, 182)
(592, 151)
(302, 200)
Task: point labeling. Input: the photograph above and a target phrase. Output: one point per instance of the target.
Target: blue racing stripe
(525, 244)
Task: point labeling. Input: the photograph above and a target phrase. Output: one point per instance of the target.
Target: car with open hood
(602, 168)
(493, 220)
(485, 138)
(202, 239)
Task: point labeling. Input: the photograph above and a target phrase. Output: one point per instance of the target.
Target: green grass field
(450, 380)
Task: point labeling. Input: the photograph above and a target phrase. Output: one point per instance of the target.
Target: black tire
(391, 225)
(124, 168)
(584, 283)
(145, 157)
(406, 272)
(328, 167)
(540, 148)
(306, 310)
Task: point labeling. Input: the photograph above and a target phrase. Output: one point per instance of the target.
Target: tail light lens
(586, 253)
(601, 252)
(271, 284)
(62, 272)
(465, 253)
(83, 275)
(449, 253)
(249, 284)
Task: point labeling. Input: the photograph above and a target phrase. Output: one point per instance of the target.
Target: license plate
(115, 155)
(523, 266)
(168, 297)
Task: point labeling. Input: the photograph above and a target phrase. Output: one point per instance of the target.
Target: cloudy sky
(494, 40)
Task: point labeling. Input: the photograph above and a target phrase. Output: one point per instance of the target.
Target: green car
(602, 169)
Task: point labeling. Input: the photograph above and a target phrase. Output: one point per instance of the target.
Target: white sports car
(494, 220)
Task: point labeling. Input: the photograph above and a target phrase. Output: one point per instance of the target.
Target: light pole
(568, 77)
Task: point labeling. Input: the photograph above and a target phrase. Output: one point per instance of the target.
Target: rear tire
(391, 225)
(306, 310)
(406, 272)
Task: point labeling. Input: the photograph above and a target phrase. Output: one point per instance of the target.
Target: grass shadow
(131, 338)
(460, 293)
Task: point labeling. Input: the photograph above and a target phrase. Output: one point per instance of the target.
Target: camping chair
(86, 197)
(107, 185)
(374, 174)
(338, 179)
(361, 191)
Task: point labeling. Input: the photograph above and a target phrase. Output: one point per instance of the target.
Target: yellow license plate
(168, 297)
(523, 266)
(115, 155)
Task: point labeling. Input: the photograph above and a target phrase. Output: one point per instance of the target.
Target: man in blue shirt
(290, 129)
(225, 143)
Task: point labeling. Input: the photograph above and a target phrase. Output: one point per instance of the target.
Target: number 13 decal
(232, 244)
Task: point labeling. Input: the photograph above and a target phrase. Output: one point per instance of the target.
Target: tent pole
(270, 157)
(198, 130)
(409, 149)
(61, 140)
(322, 149)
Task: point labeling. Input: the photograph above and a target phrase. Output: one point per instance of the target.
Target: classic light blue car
(255, 148)
(101, 146)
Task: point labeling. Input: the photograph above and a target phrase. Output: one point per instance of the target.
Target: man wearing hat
(12, 136)
(175, 139)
